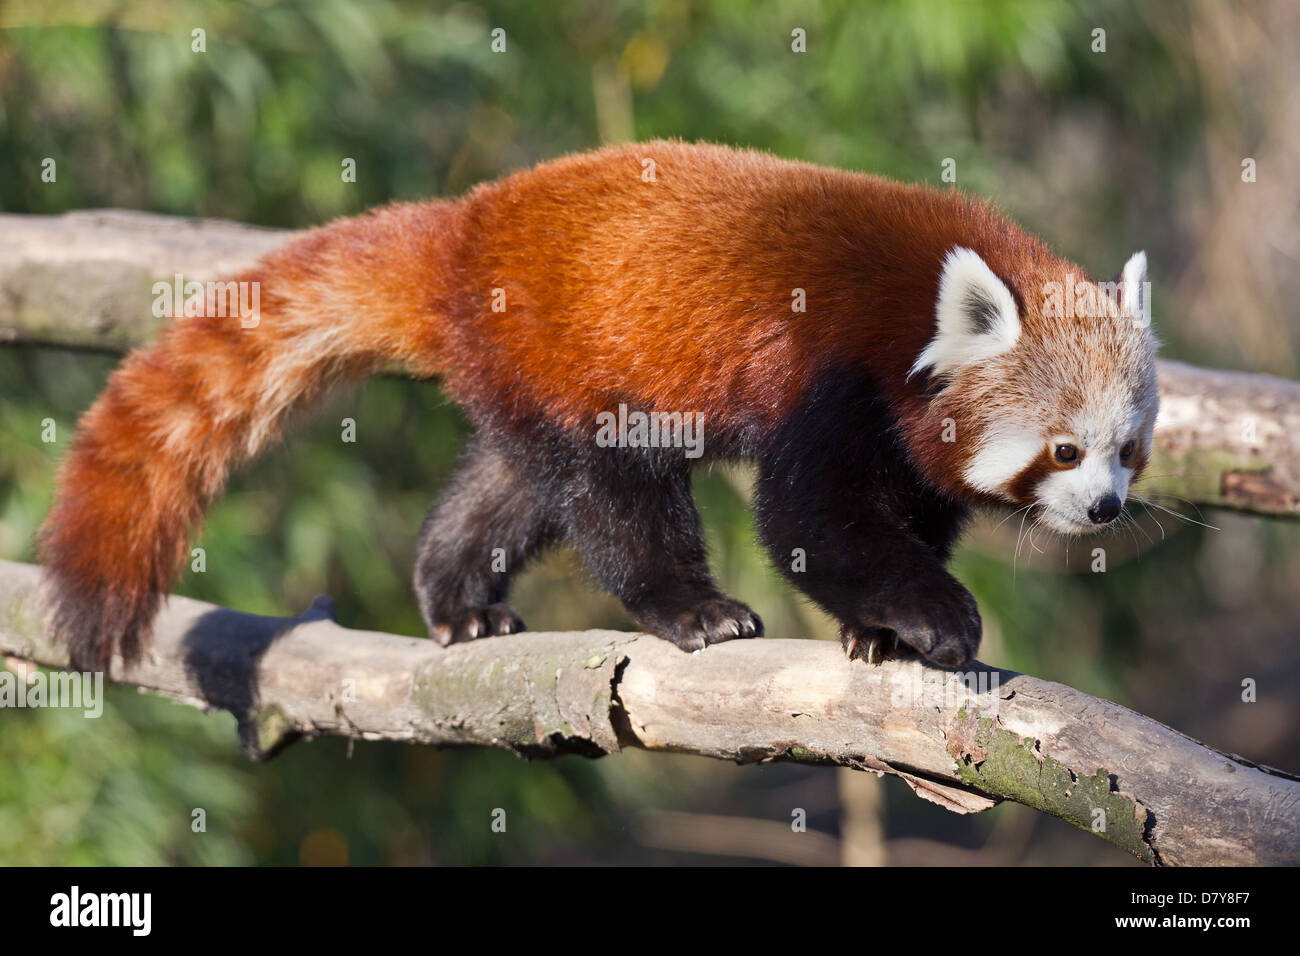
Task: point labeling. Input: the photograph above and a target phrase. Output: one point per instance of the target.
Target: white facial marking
(1004, 452)
(1100, 433)
(1069, 494)
(975, 315)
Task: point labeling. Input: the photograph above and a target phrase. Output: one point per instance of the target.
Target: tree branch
(85, 279)
(963, 741)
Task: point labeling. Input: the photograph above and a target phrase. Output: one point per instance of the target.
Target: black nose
(1104, 509)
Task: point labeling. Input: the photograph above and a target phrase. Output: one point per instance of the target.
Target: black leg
(852, 525)
(481, 531)
(631, 514)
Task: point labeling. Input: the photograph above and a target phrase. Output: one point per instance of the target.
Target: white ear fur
(1132, 286)
(975, 314)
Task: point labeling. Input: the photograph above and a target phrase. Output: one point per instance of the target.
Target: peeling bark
(962, 740)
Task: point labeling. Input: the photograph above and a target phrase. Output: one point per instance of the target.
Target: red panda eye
(1126, 452)
(1066, 453)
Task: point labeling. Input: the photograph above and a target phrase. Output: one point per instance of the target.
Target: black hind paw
(475, 622)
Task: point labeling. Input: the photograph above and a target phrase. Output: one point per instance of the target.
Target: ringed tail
(335, 304)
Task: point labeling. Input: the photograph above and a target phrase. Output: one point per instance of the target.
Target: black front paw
(868, 643)
(940, 621)
(946, 628)
(707, 621)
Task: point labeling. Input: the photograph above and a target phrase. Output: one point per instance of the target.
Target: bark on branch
(964, 741)
(85, 280)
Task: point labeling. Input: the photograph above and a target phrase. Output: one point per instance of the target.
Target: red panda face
(1054, 388)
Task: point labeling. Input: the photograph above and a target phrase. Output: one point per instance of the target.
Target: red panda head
(1050, 383)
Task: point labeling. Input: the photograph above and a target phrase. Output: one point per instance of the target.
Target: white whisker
(1032, 543)
(1186, 501)
(1015, 558)
(1133, 521)
(1176, 514)
(1158, 525)
(1012, 515)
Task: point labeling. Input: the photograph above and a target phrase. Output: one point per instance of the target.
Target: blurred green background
(1101, 153)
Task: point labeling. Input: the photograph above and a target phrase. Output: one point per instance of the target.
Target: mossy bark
(1015, 768)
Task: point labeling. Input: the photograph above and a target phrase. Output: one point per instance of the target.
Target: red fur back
(676, 293)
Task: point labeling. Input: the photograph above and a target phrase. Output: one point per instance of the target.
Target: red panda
(889, 355)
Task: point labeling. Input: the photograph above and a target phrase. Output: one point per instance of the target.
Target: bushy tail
(335, 304)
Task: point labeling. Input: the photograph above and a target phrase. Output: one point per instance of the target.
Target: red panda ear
(975, 315)
(1132, 282)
